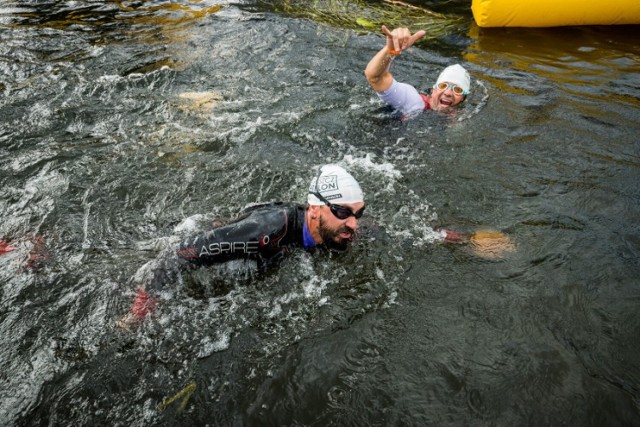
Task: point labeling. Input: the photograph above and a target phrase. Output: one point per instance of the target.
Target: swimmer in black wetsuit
(265, 233)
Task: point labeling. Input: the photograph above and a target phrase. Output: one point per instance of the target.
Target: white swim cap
(456, 74)
(336, 185)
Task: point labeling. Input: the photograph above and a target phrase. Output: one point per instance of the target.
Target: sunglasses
(455, 88)
(340, 212)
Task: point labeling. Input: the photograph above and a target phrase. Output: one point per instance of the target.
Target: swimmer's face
(443, 99)
(336, 232)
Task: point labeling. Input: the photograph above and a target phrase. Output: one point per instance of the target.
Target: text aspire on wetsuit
(265, 233)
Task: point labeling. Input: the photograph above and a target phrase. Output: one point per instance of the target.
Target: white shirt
(402, 97)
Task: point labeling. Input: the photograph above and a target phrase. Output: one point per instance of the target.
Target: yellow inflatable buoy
(554, 13)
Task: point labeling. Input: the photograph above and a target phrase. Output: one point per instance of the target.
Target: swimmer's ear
(314, 211)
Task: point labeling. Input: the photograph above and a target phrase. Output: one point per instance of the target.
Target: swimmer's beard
(331, 238)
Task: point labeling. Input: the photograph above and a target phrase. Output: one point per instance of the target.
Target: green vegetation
(369, 16)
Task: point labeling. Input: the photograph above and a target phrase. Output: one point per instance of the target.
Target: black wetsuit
(264, 233)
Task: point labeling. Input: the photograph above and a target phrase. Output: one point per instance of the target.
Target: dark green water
(104, 157)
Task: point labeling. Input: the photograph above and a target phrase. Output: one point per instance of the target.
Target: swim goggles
(455, 88)
(340, 212)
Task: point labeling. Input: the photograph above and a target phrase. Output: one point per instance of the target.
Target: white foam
(189, 224)
(275, 311)
(208, 346)
(368, 163)
(313, 288)
(109, 78)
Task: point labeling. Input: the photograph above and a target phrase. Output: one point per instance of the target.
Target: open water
(121, 122)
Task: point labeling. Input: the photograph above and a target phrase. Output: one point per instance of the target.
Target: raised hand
(400, 39)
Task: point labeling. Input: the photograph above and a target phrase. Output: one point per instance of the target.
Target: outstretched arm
(377, 71)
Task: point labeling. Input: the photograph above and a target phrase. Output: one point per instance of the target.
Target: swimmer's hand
(486, 243)
(144, 304)
(400, 39)
(491, 244)
(5, 248)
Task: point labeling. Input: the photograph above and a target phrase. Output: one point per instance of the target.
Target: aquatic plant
(369, 16)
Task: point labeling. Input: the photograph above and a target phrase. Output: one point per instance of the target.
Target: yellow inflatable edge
(554, 13)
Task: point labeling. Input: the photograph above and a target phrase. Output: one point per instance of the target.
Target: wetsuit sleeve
(402, 97)
(256, 237)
